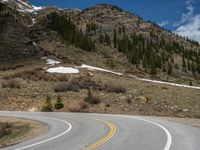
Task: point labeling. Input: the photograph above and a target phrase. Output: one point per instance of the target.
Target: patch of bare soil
(15, 130)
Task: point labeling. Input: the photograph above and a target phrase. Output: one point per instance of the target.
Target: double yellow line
(105, 139)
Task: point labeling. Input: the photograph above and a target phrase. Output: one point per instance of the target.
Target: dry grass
(36, 74)
(117, 95)
(11, 130)
(15, 130)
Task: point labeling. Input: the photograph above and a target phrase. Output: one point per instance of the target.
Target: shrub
(48, 105)
(128, 100)
(11, 84)
(75, 85)
(63, 87)
(92, 99)
(59, 104)
(5, 129)
(83, 105)
(116, 89)
(89, 96)
(79, 107)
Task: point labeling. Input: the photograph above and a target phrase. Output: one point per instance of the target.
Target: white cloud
(190, 29)
(186, 16)
(189, 25)
(163, 23)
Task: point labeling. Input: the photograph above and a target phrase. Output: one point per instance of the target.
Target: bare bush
(79, 107)
(11, 84)
(63, 87)
(5, 129)
(115, 89)
(91, 98)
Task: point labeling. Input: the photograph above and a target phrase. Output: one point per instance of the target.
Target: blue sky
(180, 16)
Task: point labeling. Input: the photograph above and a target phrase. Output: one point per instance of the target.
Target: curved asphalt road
(76, 131)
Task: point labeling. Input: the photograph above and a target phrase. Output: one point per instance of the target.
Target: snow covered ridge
(64, 70)
(24, 7)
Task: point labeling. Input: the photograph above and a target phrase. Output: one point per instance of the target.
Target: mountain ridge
(137, 43)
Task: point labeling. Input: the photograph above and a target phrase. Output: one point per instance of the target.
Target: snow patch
(100, 69)
(25, 4)
(33, 21)
(3, 1)
(52, 62)
(34, 44)
(24, 7)
(43, 58)
(63, 70)
(37, 8)
(168, 83)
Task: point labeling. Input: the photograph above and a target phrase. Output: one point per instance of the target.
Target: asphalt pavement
(83, 131)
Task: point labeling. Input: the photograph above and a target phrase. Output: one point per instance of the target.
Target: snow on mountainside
(23, 6)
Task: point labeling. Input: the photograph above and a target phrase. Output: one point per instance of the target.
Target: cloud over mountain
(189, 25)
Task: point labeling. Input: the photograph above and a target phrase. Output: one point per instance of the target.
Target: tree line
(68, 31)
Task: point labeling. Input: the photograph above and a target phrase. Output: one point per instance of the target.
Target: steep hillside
(15, 43)
(38, 45)
(103, 35)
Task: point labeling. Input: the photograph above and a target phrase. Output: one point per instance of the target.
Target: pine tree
(101, 38)
(115, 38)
(169, 69)
(183, 64)
(193, 67)
(48, 105)
(58, 104)
(107, 39)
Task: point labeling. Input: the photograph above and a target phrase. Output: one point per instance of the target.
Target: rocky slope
(122, 40)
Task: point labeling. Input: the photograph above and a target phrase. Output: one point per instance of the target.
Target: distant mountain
(103, 34)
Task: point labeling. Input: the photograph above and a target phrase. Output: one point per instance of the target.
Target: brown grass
(79, 107)
(36, 74)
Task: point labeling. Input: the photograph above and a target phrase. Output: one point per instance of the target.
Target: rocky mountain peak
(22, 6)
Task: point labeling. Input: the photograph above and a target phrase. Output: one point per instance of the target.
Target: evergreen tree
(107, 39)
(169, 69)
(115, 38)
(183, 64)
(193, 67)
(58, 104)
(68, 31)
(48, 105)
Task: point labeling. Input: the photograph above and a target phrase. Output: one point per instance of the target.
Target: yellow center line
(105, 139)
